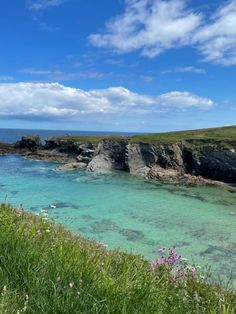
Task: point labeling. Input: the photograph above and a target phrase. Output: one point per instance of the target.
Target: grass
(214, 134)
(90, 139)
(46, 269)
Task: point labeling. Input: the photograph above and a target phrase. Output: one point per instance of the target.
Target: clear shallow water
(130, 213)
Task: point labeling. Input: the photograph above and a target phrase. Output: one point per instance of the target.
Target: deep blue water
(13, 135)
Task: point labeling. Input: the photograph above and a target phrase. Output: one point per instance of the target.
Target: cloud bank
(49, 101)
(153, 26)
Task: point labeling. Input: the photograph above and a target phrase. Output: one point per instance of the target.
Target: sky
(117, 65)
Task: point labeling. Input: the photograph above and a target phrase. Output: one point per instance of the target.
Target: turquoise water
(133, 214)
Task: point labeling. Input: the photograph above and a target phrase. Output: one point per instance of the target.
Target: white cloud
(153, 26)
(187, 69)
(56, 101)
(149, 25)
(58, 75)
(37, 5)
(184, 100)
(217, 40)
(35, 71)
(190, 69)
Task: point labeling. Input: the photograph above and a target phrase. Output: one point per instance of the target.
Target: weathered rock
(31, 142)
(166, 156)
(72, 166)
(137, 165)
(47, 155)
(109, 155)
(164, 175)
(213, 161)
(70, 146)
(6, 149)
(192, 161)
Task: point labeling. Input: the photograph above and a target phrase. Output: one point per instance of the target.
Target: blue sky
(121, 65)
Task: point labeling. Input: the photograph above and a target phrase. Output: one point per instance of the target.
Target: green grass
(214, 134)
(45, 269)
(90, 139)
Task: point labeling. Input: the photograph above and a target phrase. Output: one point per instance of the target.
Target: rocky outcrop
(184, 161)
(31, 142)
(216, 161)
(70, 147)
(109, 155)
(6, 149)
(135, 160)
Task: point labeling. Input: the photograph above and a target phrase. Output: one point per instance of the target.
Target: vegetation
(90, 139)
(214, 134)
(46, 269)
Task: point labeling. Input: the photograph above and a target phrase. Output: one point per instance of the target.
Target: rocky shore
(189, 161)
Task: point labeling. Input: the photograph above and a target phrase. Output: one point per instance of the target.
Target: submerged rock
(132, 235)
(72, 166)
(103, 226)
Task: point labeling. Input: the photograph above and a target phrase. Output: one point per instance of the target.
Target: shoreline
(201, 157)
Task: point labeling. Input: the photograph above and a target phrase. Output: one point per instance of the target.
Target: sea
(135, 215)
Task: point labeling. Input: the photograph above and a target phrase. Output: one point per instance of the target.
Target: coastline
(172, 160)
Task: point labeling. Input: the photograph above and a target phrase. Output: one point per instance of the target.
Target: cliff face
(168, 162)
(165, 162)
(213, 160)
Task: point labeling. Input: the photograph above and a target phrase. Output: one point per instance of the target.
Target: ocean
(133, 214)
(13, 135)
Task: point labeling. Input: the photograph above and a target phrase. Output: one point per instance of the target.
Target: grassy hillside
(45, 269)
(222, 134)
(216, 134)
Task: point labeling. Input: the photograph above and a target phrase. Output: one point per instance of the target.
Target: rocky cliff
(175, 161)
(214, 160)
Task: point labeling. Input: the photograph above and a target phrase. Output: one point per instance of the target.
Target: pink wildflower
(100, 245)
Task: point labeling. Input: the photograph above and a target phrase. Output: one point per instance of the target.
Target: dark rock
(215, 163)
(132, 235)
(70, 146)
(31, 142)
(103, 226)
(6, 149)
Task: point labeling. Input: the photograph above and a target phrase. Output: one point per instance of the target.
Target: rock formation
(187, 161)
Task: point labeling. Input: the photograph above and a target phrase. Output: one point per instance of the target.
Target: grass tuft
(46, 269)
